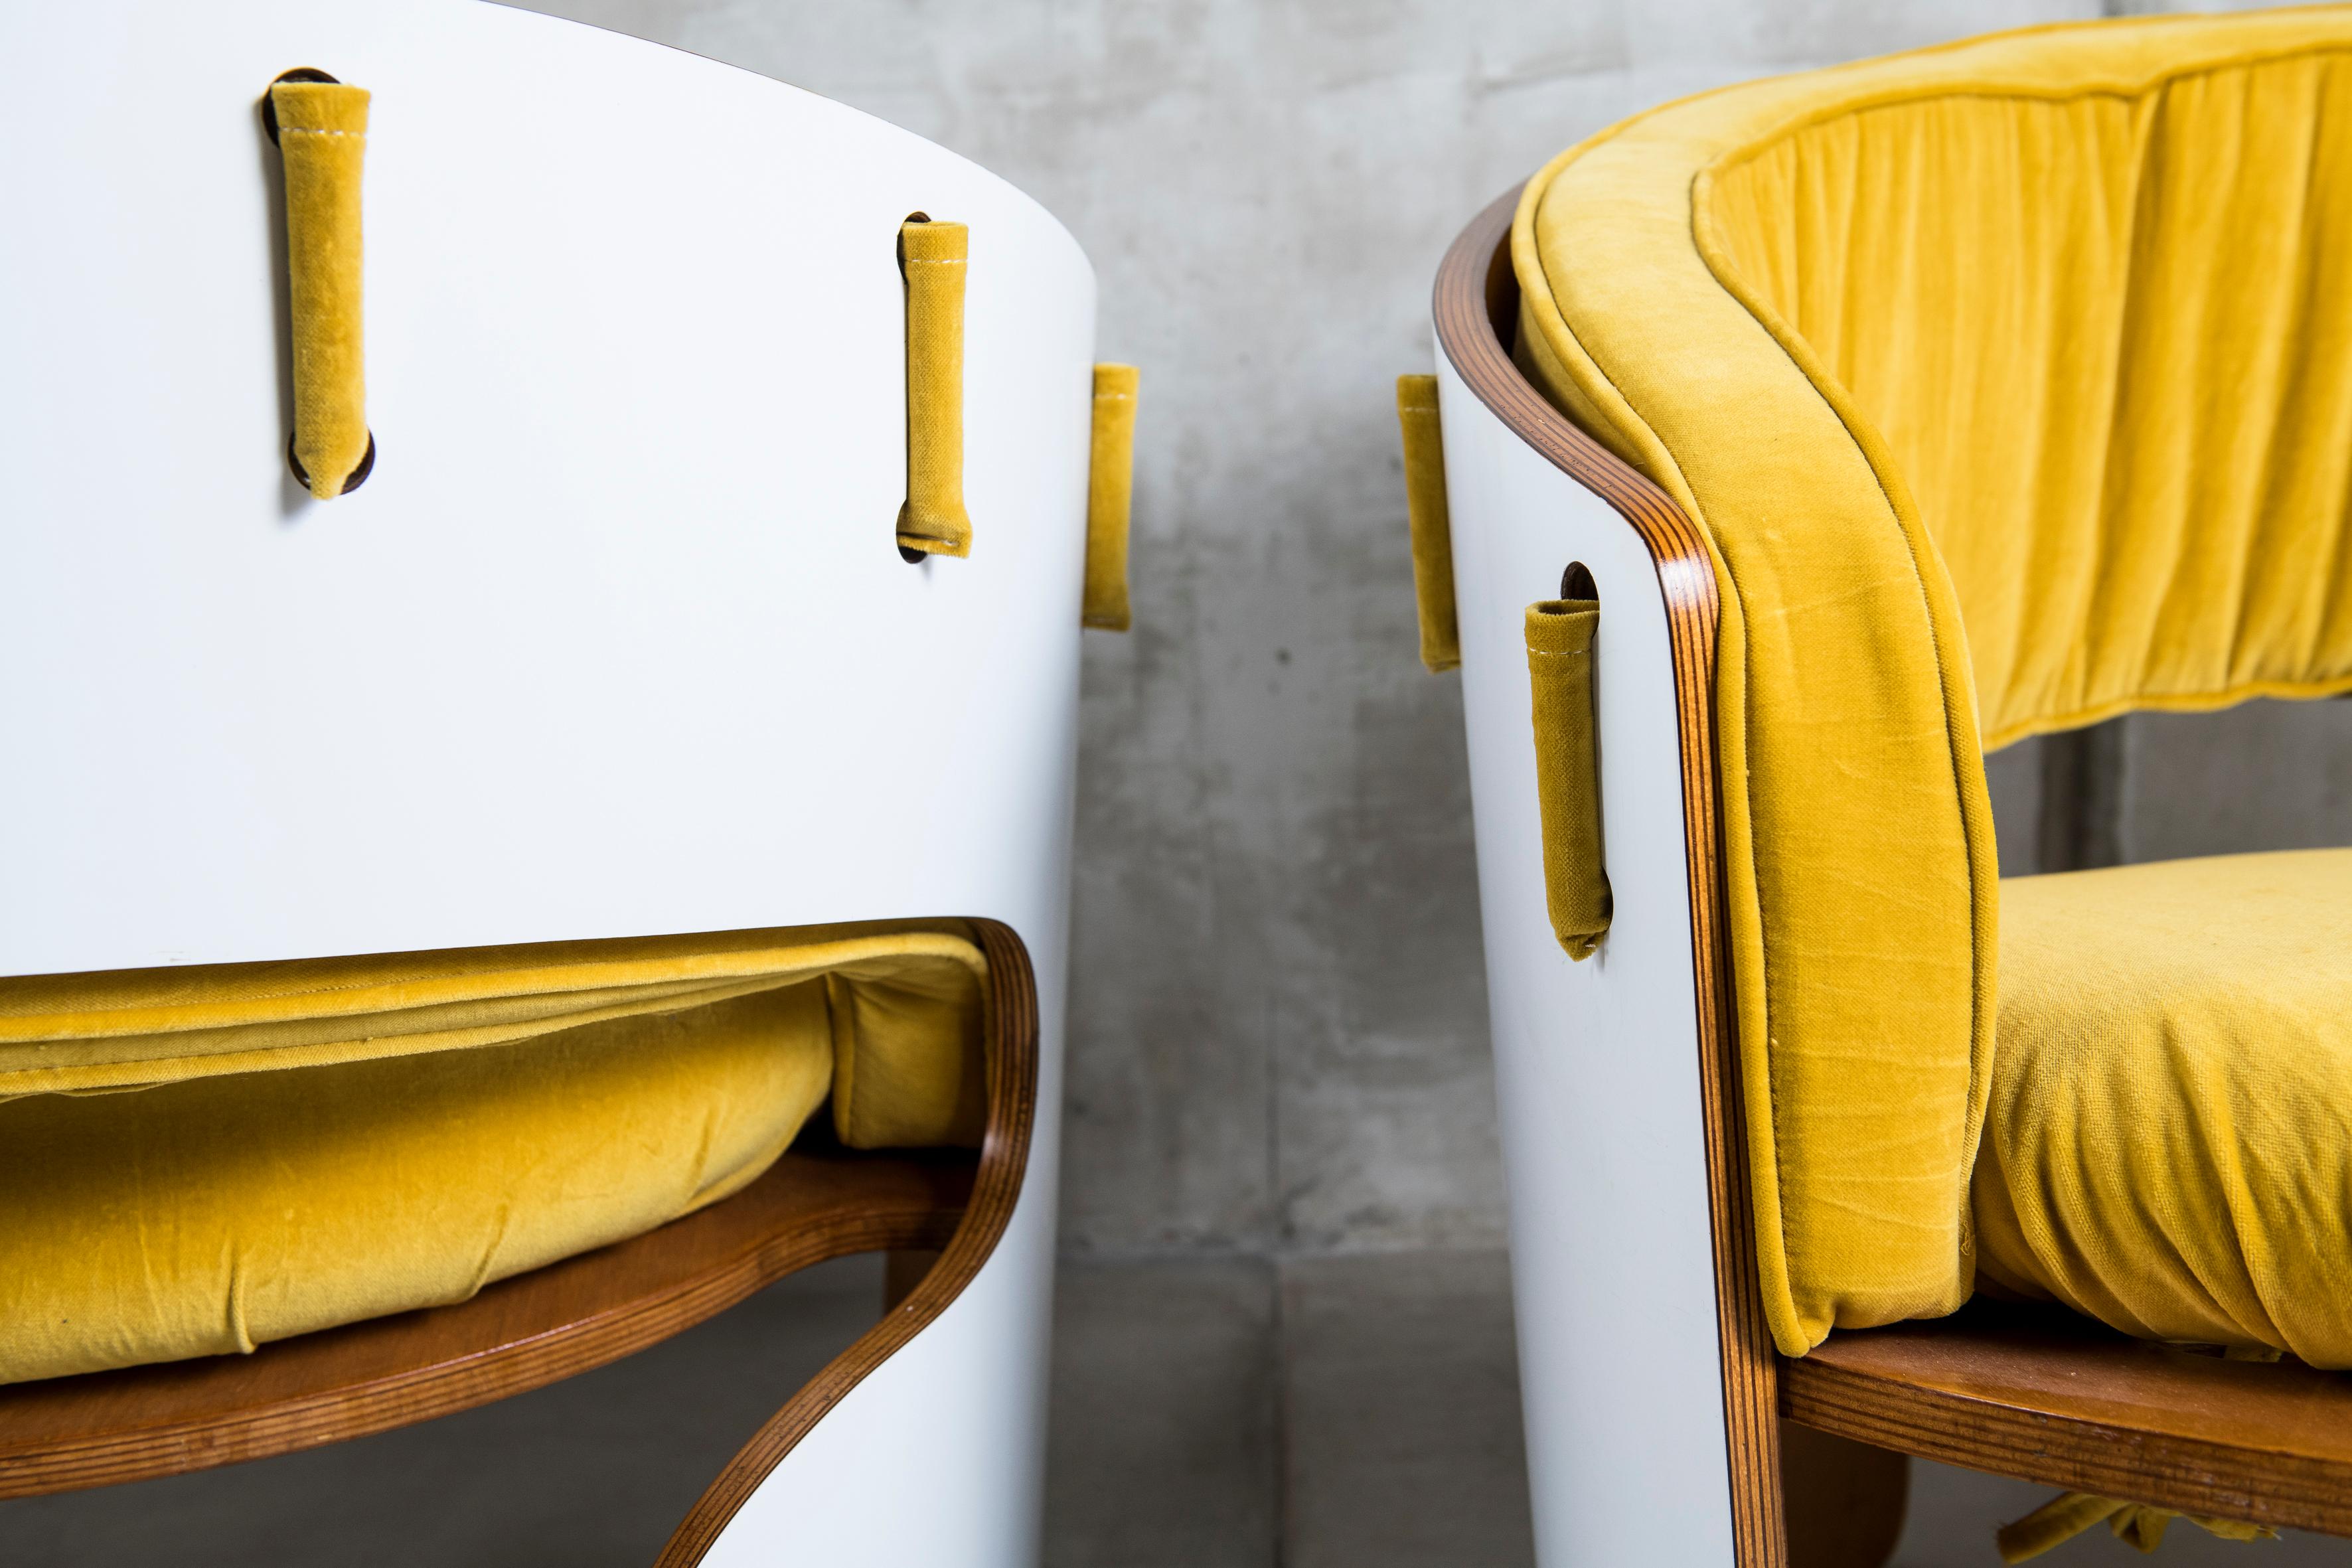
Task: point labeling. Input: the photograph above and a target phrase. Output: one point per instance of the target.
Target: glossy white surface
(615, 641)
(615, 638)
(1596, 1063)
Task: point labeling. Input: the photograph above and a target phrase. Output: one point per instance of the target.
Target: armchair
(1885, 415)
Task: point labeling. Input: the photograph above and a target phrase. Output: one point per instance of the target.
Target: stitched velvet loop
(323, 140)
(933, 522)
(1567, 769)
(1111, 486)
(1425, 514)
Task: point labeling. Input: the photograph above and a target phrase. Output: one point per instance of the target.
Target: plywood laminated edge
(1003, 1160)
(1476, 295)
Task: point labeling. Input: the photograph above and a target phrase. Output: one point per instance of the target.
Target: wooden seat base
(2047, 1396)
(519, 1334)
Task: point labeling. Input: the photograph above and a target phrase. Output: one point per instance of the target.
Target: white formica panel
(615, 639)
(1596, 1064)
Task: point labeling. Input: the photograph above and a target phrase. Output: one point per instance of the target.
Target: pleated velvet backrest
(2104, 329)
(2010, 385)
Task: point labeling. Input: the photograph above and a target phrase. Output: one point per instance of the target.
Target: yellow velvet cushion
(909, 1070)
(2169, 1146)
(221, 1212)
(197, 1161)
(2031, 329)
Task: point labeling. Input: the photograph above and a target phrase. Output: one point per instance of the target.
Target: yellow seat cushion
(2002, 384)
(2168, 1145)
(199, 1161)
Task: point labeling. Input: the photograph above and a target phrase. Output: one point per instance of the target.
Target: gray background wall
(1283, 1326)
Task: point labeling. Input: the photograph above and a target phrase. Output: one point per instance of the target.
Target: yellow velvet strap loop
(2071, 1513)
(1110, 488)
(1567, 769)
(932, 255)
(322, 139)
(1432, 539)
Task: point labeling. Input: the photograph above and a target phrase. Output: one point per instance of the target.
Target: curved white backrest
(1596, 1064)
(616, 640)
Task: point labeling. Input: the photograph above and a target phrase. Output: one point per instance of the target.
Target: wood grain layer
(1475, 310)
(2047, 1396)
(996, 1188)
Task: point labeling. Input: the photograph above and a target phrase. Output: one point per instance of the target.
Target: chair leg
(1842, 1500)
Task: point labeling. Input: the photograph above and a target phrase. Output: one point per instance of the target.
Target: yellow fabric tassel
(322, 135)
(1432, 539)
(2067, 1516)
(932, 255)
(1567, 769)
(1110, 489)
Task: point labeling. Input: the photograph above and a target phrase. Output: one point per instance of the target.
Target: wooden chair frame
(2037, 1396)
(571, 1317)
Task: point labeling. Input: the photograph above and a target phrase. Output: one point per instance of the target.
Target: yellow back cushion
(2104, 331)
(1988, 328)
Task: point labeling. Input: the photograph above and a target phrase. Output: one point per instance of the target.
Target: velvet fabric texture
(198, 1161)
(907, 1059)
(1567, 769)
(932, 255)
(322, 142)
(2037, 330)
(2168, 1145)
(1111, 489)
(1429, 522)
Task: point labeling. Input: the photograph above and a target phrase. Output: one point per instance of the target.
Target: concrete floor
(1357, 1410)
